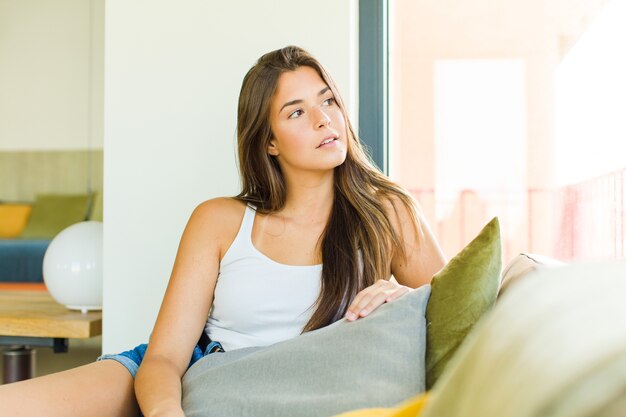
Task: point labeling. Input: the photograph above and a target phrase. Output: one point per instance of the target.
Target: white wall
(172, 76)
(51, 74)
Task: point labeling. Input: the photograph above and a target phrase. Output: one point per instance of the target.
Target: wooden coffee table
(29, 317)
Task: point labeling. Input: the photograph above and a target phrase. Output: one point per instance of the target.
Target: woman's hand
(368, 300)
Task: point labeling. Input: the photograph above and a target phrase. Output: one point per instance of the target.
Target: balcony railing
(592, 218)
(584, 221)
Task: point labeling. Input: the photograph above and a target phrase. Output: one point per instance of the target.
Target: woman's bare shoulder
(219, 219)
(397, 210)
(222, 211)
(222, 205)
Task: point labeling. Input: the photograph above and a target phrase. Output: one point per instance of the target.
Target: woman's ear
(272, 149)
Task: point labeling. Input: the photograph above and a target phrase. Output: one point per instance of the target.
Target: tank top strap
(245, 230)
(243, 241)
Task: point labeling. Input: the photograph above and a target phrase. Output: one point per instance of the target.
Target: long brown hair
(359, 240)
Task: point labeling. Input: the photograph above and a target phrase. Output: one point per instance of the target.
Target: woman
(314, 236)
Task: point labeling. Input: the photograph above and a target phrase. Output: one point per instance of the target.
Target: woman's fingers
(361, 299)
(398, 293)
(373, 297)
(373, 304)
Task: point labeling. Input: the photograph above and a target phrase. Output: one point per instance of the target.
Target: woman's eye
(329, 101)
(295, 114)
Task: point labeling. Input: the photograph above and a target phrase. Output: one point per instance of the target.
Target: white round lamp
(72, 266)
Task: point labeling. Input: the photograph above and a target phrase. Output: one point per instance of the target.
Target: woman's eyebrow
(323, 90)
(298, 101)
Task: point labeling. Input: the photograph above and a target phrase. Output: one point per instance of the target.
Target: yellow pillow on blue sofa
(13, 219)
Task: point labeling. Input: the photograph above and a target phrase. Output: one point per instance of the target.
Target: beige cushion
(554, 345)
(521, 266)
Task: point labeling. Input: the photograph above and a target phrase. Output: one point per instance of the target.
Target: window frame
(373, 81)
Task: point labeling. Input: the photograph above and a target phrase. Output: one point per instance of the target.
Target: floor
(81, 352)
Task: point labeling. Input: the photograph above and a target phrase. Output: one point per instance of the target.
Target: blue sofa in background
(21, 260)
(22, 251)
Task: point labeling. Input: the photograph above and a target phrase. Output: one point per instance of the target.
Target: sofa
(26, 230)
(554, 345)
(539, 338)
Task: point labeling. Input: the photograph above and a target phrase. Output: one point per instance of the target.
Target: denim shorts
(131, 359)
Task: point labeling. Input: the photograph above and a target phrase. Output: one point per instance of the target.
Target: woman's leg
(103, 388)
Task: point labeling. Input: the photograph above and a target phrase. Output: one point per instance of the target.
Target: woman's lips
(330, 141)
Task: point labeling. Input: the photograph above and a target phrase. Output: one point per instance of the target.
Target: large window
(512, 109)
(590, 139)
(479, 114)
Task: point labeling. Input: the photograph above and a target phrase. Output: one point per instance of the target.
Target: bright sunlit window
(480, 145)
(590, 87)
(590, 92)
(513, 109)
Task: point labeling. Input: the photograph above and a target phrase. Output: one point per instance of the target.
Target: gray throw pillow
(377, 361)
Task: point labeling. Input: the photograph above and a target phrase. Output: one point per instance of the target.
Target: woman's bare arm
(185, 308)
(422, 259)
(423, 255)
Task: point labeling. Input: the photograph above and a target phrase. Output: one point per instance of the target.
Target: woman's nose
(323, 119)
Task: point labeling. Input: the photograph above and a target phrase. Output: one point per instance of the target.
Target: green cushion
(461, 293)
(54, 212)
(96, 207)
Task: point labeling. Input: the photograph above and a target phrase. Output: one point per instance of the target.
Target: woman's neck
(310, 198)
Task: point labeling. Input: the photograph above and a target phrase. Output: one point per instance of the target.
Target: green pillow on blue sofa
(54, 212)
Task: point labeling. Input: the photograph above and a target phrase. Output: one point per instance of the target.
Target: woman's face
(308, 127)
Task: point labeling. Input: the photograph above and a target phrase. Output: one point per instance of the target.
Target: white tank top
(258, 301)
